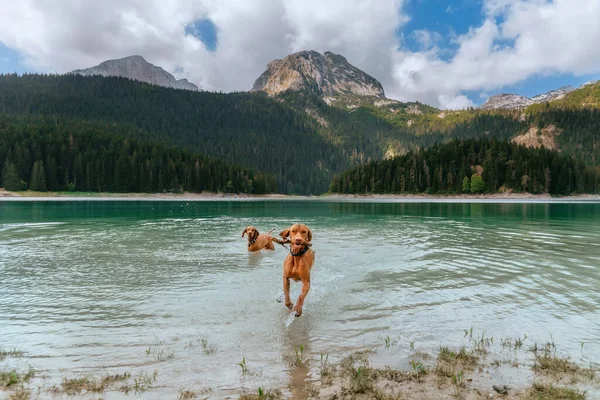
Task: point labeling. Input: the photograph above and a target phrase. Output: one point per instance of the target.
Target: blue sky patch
(205, 31)
(504, 43)
(448, 19)
(10, 61)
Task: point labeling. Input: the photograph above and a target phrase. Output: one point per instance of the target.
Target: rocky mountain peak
(137, 68)
(508, 101)
(326, 74)
(555, 94)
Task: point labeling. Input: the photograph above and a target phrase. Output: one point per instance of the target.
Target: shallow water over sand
(96, 287)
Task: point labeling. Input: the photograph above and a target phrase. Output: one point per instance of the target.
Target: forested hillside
(578, 131)
(585, 96)
(248, 129)
(380, 128)
(46, 154)
(472, 166)
(298, 138)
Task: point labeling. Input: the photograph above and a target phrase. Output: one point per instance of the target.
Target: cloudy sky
(447, 53)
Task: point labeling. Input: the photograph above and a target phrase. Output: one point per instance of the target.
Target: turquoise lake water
(89, 287)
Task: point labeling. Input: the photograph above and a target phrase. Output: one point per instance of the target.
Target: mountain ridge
(330, 76)
(138, 69)
(511, 101)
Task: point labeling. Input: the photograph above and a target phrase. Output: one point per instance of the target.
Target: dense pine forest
(472, 166)
(247, 129)
(42, 154)
(296, 139)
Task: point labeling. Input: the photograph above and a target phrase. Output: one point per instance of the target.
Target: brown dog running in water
(298, 263)
(259, 241)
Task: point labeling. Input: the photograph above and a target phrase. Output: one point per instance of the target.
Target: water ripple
(80, 293)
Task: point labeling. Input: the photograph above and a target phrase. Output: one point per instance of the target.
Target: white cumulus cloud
(426, 39)
(517, 39)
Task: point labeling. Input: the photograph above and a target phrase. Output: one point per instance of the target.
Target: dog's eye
(303, 231)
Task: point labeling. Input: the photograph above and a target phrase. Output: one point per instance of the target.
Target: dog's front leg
(300, 301)
(286, 292)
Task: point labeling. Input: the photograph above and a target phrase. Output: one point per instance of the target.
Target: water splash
(290, 319)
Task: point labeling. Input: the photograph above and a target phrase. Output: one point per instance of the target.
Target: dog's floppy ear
(285, 233)
(309, 235)
(244, 231)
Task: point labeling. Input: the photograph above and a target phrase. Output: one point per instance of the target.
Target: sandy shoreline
(372, 198)
(477, 370)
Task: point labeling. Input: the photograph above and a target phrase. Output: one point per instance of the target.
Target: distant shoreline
(383, 198)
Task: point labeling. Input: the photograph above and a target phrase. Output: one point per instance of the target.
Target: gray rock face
(552, 95)
(326, 74)
(514, 101)
(506, 101)
(136, 68)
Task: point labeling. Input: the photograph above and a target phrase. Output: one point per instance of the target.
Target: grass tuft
(73, 386)
(361, 380)
(13, 352)
(262, 395)
(300, 358)
(418, 368)
(243, 366)
(547, 361)
(389, 342)
(12, 377)
(356, 368)
(326, 369)
(463, 357)
(185, 394)
(458, 383)
(160, 354)
(89, 384)
(516, 343)
(451, 363)
(207, 347)
(22, 393)
(481, 344)
(9, 378)
(540, 391)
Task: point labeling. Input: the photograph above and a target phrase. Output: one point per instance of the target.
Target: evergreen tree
(38, 177)
(10, 177)
(477, 184)
(466, 185)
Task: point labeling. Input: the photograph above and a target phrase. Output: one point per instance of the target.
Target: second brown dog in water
(258, 241)
(298, 263)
